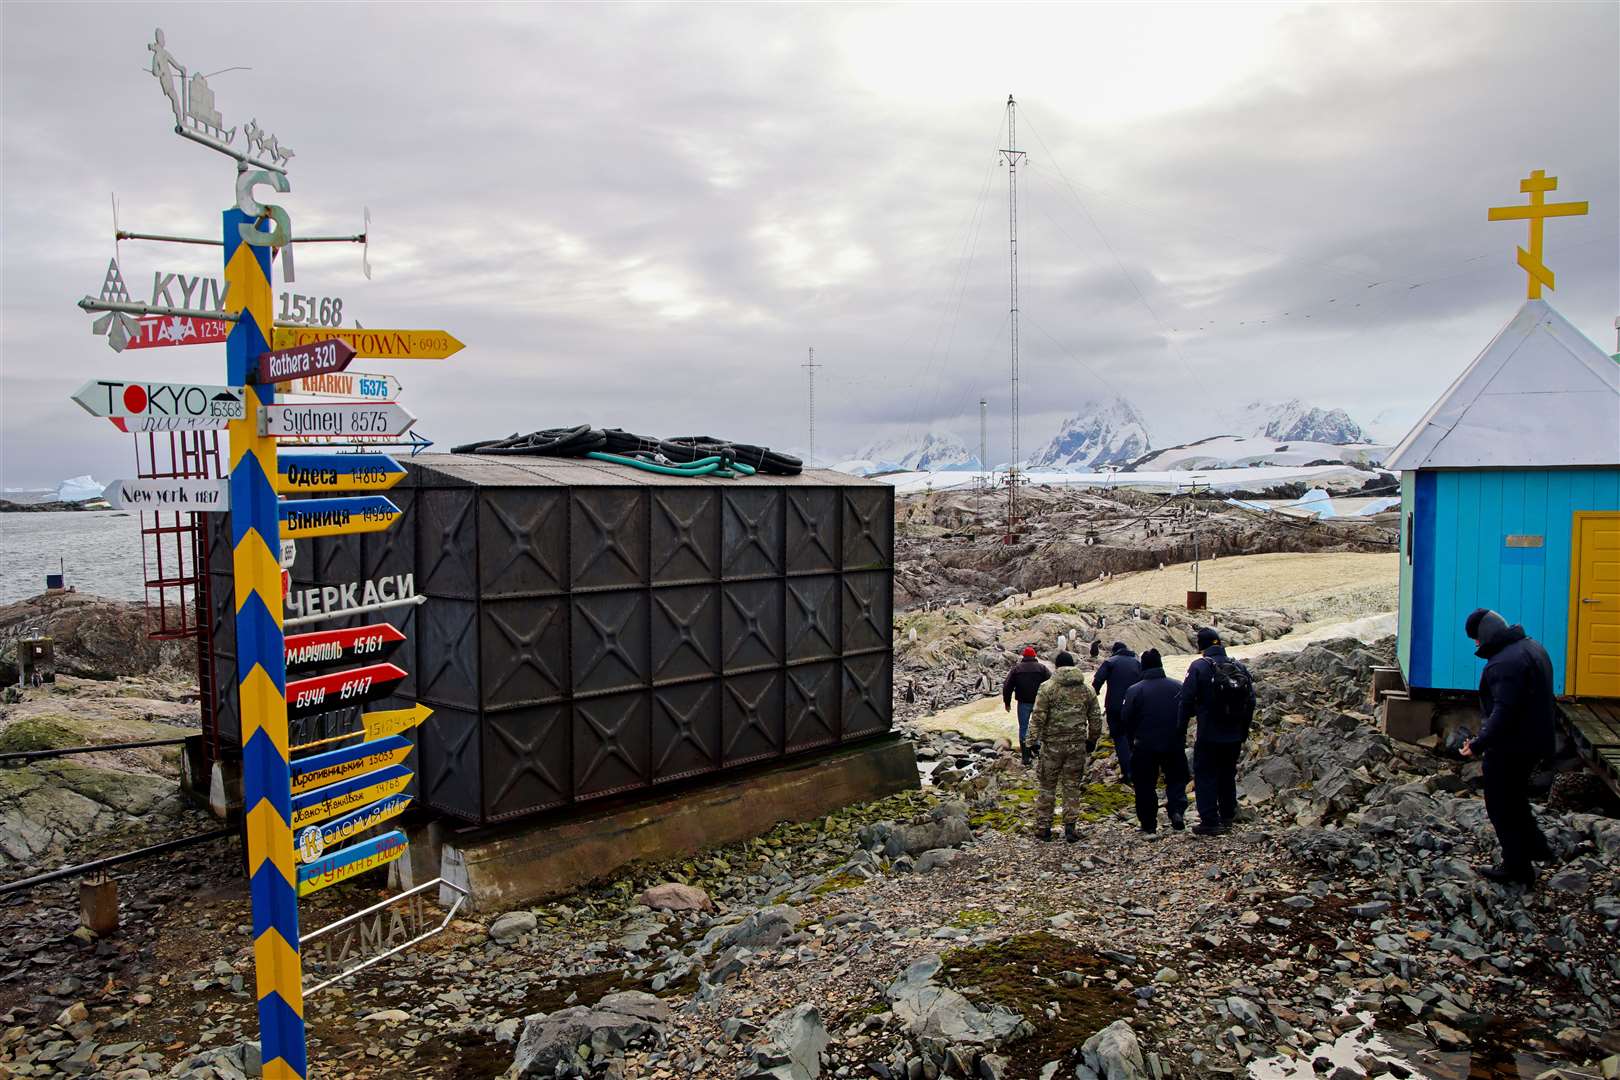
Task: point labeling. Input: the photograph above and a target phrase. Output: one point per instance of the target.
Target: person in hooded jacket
(1224, 712)
(1024, 682)
(1150, 720)
(1516, 700)
(1119, 672)
(1063, 728)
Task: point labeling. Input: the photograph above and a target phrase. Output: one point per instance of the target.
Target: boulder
(761, 928)
(513, 925)
(551, 1043)
(673, 896)
(1114, 1053)
(791, 1046)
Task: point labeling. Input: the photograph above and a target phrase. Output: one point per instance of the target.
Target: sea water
(98, 550)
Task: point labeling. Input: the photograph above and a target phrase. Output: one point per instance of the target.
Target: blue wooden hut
(1510, 498)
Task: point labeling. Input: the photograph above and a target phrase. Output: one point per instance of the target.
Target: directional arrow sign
(381, 421)
(376, 344)
(304, 518)
(321, 770)
(181, 496)
(196, 407)
(301, 361)
(341, 797)
(385, 722)
(375, 642)
(316, 840)
(161, 330)
(337, 472)
(340, 690)
(345, 863)
(354, 385)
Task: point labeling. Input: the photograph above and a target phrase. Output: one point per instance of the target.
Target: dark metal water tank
(592, 629)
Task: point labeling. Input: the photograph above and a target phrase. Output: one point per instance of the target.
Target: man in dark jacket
(1516, 700)
(1150, 720)
(1024, 683)
(1219, 693)
(1120, 672)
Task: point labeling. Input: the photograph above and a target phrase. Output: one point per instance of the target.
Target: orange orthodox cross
(1537, 184)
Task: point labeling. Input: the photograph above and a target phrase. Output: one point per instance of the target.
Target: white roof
(1540, 395)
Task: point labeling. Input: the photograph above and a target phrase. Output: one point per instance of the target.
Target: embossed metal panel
(447, 545)
(868, 615)
(528, 760)
(450, 749)
(811, 708)
(685, 534)
(813, 624)
(228, 703)
(522, 542)
(868, 694)
(812, 530)
(610, 641)
(524, 645)
(447, 653)
(608, 537)
(751, 718)
(685, 633)
(751, 532)
(219, 542)
(394, 551)
(868, 528)
(751, 625)
(329, 560)
(685, 730)
(611, 744)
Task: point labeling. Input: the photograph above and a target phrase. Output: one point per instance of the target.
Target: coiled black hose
(585, 440)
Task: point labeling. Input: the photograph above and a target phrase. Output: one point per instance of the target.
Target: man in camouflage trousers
(1064, 729)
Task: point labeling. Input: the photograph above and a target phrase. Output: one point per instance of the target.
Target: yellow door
(1597, 605)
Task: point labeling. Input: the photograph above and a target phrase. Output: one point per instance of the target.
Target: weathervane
(197, 118)
(1537, 184)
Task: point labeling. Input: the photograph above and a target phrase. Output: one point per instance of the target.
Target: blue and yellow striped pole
(261, 668)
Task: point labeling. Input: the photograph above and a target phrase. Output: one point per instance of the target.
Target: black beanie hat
(1207, 637)
(1063, 659)
(1471, 627)
(1152, 659)
(1119, 647)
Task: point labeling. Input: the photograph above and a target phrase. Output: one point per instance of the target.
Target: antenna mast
(1012, 155)
(810, 367)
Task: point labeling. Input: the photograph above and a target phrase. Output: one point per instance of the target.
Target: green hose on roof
(714, 465)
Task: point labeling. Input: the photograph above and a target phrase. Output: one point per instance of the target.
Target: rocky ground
(951, 548)
(1340, 931)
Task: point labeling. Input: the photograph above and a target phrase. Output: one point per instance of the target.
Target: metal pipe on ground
(113, 860)
(40, 755)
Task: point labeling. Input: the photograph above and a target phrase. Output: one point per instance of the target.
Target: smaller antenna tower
(984, 440)
(810, 366)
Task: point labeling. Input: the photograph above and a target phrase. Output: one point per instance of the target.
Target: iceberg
(79, 488)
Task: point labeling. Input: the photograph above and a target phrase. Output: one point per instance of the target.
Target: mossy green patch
(38, 733)
(969, 918)
(838, 883)
(1024, 973)
(1014, 809)
(1035, 610)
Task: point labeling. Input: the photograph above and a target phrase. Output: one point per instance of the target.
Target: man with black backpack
(1219, 692)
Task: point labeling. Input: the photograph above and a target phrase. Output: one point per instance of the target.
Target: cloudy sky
(643, 216)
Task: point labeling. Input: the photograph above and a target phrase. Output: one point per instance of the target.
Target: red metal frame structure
(174, 558)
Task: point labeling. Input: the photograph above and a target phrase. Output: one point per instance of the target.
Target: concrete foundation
(528, 863)
(1401, 718)
(225, 790)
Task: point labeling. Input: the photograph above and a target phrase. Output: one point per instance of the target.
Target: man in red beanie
(1024, 683)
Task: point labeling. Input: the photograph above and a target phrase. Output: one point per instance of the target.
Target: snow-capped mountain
(1249, 451)
(931, 450)
(1295, 421)
(1104, 432)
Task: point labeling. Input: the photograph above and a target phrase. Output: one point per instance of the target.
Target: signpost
(301, 361)
(201, 407)
(377, 344)
(341, 690)
(345, 863)
(343, 792)
(347, 795)
(354, 385)
(318, 648)
(169, 494)
(341, 421)
(303, 518)
(337, 472)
